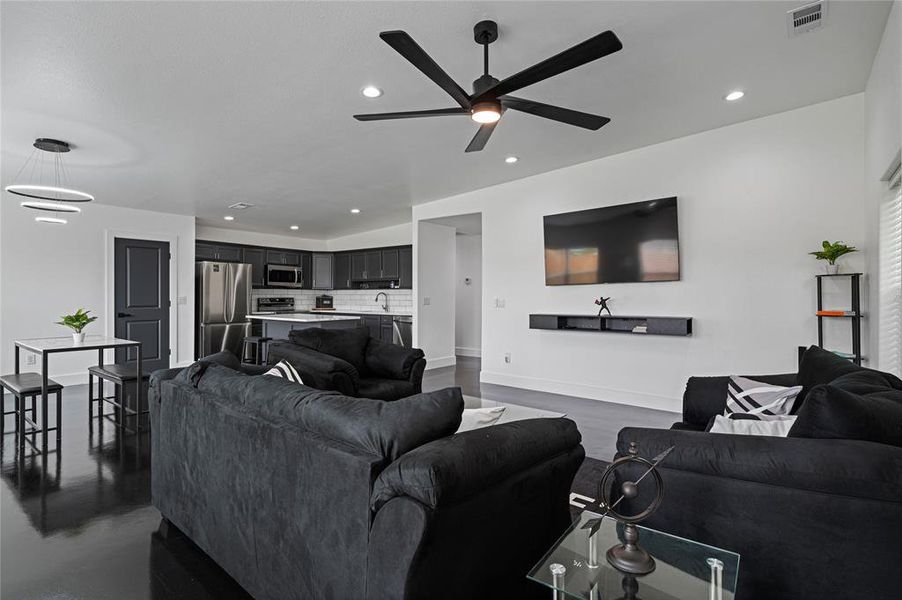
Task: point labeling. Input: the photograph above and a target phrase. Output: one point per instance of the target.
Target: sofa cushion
(391, 361)
(346, 344)
(764, 400)
(821, 366)
(384, 389)
(856, 406)
(224, 358)
(284, 370)
(387, 429)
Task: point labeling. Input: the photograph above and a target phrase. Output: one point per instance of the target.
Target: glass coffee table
(576, 567)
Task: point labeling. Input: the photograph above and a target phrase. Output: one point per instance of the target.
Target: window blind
(890, 333)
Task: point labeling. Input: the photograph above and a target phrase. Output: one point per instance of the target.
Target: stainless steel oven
(284, 276)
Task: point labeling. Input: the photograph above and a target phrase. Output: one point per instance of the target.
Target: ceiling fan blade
(482, 136)
(409, 49)
(413, 114)
(592, 49)
(555, 113)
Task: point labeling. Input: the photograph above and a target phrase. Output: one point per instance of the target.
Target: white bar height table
(47, 346)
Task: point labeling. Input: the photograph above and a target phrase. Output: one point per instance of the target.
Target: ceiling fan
(490, 96)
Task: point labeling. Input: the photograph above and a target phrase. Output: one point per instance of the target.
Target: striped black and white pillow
(286, 371)
(758, 400)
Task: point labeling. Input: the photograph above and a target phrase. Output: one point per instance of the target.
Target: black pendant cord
(485, 58)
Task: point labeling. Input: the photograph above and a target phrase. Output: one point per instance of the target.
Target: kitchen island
(277, 326)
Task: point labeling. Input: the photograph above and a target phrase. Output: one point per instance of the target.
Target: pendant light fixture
(48, 184)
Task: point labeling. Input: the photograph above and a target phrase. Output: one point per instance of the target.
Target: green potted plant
(77, 322)
(830, 253)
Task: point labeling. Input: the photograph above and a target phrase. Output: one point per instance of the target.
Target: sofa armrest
(707, 396)
(391, 361)
(842, 467)
(317, 370)
(451, 469)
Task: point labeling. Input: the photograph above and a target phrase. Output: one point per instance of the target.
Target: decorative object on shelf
(48, 184)
(830, 253)
(77, 322)
(602, 304)
(628, 557)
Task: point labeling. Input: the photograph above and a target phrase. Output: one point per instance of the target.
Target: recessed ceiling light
(371, 91)
(355, 211)
(294, 227)
(53, 220)
(229, 218)
(511, 160)
(734, 95)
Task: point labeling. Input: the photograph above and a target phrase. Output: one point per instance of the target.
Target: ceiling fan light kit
(490, 98)
(54, 198)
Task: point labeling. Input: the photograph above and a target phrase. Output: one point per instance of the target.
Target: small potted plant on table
(77, 322)
(830, 253)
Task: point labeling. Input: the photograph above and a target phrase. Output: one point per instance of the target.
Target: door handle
(121, 315)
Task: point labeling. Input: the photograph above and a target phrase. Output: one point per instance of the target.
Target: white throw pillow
(763, 400)
(776, 426)
(476, 418)
(286, 371)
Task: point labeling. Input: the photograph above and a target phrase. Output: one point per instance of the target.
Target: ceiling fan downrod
(484, 33)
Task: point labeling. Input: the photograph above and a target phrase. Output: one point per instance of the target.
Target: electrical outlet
(507, 357)
(30, 359)
(499, 302)
(427, 300)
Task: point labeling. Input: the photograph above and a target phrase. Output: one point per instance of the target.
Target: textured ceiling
(190, 107)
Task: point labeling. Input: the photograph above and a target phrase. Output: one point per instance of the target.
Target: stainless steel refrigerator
(223, 293)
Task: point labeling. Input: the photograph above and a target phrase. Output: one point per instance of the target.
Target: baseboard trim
(440, 362)
(578, 390)
(471, 352)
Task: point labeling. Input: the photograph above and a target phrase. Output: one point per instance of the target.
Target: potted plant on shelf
(830, 253)
(77, 322)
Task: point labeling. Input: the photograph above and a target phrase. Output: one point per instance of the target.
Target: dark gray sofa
(817, 514)
(303, 493)
(351, 362)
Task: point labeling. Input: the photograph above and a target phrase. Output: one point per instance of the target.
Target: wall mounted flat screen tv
(615, 244)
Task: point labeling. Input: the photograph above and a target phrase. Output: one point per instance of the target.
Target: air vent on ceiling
(240, 205)
(806, 18)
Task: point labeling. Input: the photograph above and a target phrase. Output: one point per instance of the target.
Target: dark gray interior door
(142, 300)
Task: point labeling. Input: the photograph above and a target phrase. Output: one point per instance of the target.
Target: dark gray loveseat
(301, 493)
(817, 514)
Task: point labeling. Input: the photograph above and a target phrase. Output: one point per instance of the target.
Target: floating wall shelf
(643, 325)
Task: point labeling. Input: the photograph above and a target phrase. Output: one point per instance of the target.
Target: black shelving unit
(855, 309)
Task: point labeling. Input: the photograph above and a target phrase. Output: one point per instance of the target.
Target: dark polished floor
(79, 525)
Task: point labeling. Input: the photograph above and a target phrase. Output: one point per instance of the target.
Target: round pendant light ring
(51, 145)
(50, 206)
(49, 192)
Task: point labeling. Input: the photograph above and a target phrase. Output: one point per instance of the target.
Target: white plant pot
(78, 338)
(831, 269)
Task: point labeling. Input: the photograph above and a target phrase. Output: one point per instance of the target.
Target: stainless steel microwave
(284, 276)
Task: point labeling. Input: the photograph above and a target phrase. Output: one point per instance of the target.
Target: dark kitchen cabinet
(374, 324)
(256, 258)
(322, 271)
(386, 328)
(204, 251)
(405, 275)
(305, 260)
(282, 257)
(373, 265)
(391, 268)
(358, 266)
(341, 269)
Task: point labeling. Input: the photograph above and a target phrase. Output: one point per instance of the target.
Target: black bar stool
(121, 376)
(24, 386)
(258, 343)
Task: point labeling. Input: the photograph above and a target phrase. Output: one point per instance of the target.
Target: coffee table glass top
(684, 569)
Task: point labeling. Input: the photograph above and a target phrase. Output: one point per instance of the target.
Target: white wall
(51, 270)
(883, 102)
(435, 250)
(254, 238)
(398, 235)
(468, 298)
(755, 197)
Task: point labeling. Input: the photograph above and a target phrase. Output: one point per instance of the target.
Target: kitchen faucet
(384, 304)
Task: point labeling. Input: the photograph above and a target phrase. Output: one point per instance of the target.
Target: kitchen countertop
(300, 317)
(363, 313)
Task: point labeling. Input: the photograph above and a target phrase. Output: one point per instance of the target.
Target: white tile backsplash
(398, 300)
